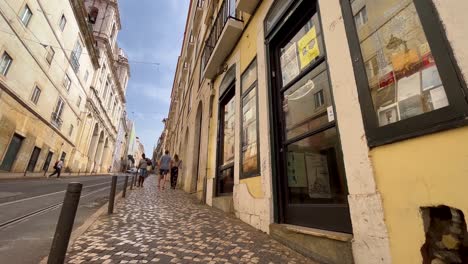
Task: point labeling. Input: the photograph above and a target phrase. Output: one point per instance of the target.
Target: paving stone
(171, 226)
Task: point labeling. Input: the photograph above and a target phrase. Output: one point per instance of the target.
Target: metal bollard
(110, 209)
(131, 183)
(125, 187)
(64, 227)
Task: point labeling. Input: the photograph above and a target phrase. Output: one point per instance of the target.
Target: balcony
(197, 18)
(247, 6)
(226, 31)
(56, 120)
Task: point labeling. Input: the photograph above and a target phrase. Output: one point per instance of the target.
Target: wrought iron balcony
(225, 32)
(56, 120)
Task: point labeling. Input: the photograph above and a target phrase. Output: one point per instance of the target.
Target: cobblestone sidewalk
(170, 226)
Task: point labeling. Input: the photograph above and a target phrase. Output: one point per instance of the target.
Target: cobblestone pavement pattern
(170, 226)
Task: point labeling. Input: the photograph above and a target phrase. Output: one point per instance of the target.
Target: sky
(152, 32)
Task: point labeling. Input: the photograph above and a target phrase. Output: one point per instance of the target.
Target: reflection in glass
(228, 137)
(313, 170)
(305, 105)
(402, 74)
(226, 181)
(302, 50)
(249, 133)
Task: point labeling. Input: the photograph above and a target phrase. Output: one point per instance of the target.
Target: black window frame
(437, 120)
(35, 96)
(228, 94)
(244, 94)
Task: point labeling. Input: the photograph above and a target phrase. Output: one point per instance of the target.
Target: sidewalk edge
(87, 224)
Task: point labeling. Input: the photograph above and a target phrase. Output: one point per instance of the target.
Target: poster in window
(410, 107)
(289, 64)
(430, 78)
(409, 86)
(439, 98)
(308, 48)
(388, 115)
(317, 175)
(297, 177)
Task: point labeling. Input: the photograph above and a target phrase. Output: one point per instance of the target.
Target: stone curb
(21, 177)
(88, 223)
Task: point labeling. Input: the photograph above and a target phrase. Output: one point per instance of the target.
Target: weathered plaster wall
(370, 243)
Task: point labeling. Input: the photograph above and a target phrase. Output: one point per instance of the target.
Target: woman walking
(175, 165)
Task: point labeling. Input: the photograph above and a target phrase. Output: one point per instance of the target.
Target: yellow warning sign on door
(308, 48)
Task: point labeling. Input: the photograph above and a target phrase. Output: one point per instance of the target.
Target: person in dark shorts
(143, 166)
(164, 166)
(175, 166)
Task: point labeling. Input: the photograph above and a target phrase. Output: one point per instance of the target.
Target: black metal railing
(226, 12)
(56, 120)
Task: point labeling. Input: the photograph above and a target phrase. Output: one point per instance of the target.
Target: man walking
(142, 166)
(58, 168)
(164, 167)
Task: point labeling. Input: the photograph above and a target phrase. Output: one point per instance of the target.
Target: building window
(36, 94)
(57, 114)
(86, 75)
(319, 99)
(226, 137)
(405, 73)
(70, 131)
(113, 32)
(249, 136)
(63, 22)
(75, 56)
(110, 100)
(78, 103)
(103, 73)
(11, 153)
(26, 15)
(361, 17)
(106, 88)
(67, 82)
(50, 54)
(5, 63)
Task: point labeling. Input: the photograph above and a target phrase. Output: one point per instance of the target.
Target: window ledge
(319, 233)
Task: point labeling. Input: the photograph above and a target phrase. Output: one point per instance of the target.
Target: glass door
(311, 172)
(33, 160)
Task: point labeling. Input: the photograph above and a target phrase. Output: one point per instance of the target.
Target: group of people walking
(166, 165)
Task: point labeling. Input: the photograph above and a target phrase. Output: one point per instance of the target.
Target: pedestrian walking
(58, 168)
(164, 167)
(142, 167)
(175, 166)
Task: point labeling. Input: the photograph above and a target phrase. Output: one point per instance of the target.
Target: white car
(132, 170)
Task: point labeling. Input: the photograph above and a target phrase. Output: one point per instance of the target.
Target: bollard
(131, 183)
(65, 224)
(125, 187)
(110, 209)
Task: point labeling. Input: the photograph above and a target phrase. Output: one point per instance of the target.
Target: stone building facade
(337, 126)
(49, 106)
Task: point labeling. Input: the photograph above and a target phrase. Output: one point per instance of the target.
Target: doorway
(33, 160)
(12, 152)
(311, 181)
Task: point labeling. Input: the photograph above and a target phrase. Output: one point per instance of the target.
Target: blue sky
(152, 31)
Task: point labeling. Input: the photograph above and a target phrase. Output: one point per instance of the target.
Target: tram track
(49, 208)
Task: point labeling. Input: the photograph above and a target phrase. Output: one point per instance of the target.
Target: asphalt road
(28, 240)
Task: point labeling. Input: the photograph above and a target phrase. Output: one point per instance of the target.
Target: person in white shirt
(58, 168)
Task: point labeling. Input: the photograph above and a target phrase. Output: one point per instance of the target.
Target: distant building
(62, 86)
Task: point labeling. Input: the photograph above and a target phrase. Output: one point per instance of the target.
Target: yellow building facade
(338, 127)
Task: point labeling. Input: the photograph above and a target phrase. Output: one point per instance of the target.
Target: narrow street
(171, 226)
(29, 211)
